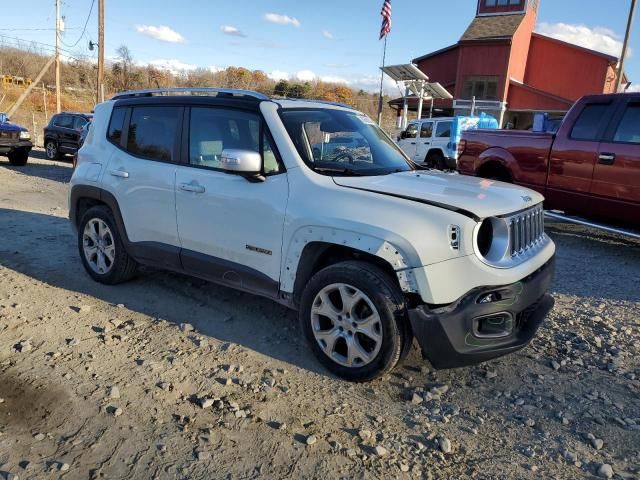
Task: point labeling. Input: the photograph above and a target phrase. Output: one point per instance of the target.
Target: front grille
(9, 135)
(526, 230)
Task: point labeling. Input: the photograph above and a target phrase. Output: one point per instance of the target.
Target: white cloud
(597, 38)
(328, 34)
(161, 32)
(173, 65)
(306, 76)
(233, 31)
(635, 87)
(278, 75)
(281, 19)
(334, 79)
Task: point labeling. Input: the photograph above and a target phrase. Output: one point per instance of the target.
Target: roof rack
(222, 92)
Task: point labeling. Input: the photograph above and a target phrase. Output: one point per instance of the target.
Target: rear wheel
(101, 248)
(51, 150)
(435, 160)
(353, 317)
(18, 158)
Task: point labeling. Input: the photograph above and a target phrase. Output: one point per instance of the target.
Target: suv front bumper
(9, 146)
(468, 332)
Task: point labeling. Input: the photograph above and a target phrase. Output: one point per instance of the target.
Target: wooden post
(623, 56)
(58, 105)
(100, 86)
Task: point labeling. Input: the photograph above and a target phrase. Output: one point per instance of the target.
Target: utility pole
(100, 85)
(58, 107)
(627, 35)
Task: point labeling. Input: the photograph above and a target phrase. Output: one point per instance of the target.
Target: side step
(566, 218)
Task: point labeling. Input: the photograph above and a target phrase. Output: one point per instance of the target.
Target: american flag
(386, 19)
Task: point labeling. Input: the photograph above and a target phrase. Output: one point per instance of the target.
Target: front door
(574, 155)
(230, 228)
(424, 142)
(616, 176)
(409, 139)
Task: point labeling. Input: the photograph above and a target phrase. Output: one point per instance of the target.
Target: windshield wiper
(340, 171)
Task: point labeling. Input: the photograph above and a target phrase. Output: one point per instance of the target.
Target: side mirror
(246, 163)
(403, 135)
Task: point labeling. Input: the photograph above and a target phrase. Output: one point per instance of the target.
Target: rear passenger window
(587, 125)
(79, 122)
(629, 129)
(116, 125)
(426, 131)
(64, 121)
(152, 132)
(443, 130)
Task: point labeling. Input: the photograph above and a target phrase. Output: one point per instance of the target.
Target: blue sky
(332, 39)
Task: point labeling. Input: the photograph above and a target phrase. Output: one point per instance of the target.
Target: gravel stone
(605, 471)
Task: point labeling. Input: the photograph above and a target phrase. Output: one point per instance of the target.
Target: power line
(84, 29)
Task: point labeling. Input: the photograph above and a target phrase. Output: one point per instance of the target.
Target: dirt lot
(109, 382)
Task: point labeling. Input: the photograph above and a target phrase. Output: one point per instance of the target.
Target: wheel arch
(84, 197)
(310, 251)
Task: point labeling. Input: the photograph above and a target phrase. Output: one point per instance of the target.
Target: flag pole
(380, 103)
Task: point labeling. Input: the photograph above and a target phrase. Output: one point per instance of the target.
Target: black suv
(62, 135)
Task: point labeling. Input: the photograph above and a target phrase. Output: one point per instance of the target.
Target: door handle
(191, 187)
(413, 143)
(606, 159)
(119, 173)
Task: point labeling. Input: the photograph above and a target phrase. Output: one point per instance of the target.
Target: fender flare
(79, 192)
(499, 155)
(393, 255)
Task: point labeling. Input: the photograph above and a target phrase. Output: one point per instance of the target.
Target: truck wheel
(51, 150)
(353, 317)
(101, 248)
(435, 160)
(18, 158)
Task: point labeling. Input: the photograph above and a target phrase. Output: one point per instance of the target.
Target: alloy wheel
(52, 151)
(98, 246)
(346, 325)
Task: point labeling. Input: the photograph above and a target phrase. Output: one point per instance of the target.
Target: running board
(566, 218)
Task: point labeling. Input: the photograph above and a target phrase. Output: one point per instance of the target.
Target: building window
(501, 3)
(483, 88)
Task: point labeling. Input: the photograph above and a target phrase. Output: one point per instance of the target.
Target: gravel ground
(170, 377)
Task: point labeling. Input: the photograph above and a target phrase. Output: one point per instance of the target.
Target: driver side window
(213, 130)
(412, 131)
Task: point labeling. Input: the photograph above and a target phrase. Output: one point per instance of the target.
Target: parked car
(434, 142)
(342, 148)
(223, 185)
(62, 135)
(15, 142)
(590, 167)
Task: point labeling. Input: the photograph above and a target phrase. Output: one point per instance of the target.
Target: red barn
(511, 71)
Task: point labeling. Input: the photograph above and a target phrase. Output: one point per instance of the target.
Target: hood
(10, 127)
(475, 197)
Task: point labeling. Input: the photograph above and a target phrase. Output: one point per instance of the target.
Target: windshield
(338, 142)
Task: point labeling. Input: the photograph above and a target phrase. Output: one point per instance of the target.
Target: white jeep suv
(371, 249)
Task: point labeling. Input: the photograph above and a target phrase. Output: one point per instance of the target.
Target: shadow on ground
(43, 247)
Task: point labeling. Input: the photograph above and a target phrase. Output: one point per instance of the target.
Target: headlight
(25, 135)
(492, 240)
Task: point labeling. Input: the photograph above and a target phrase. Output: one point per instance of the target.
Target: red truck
(590, 167)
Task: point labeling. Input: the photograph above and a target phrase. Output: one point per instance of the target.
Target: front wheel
(354, 319)
(435, 160)
(18, 158)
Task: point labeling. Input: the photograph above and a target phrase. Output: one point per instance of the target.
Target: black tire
(51, 150)
(435, 160)
(18, 158)
(384, 293)
(123, 267)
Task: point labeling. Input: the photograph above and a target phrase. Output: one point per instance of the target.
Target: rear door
(442, 136)
(424, 141)
(616, 177)
(141, 176)
(574, 156)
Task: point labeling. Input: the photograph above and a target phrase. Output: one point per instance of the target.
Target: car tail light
(462, 145)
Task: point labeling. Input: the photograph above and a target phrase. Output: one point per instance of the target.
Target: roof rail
(226, 92)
